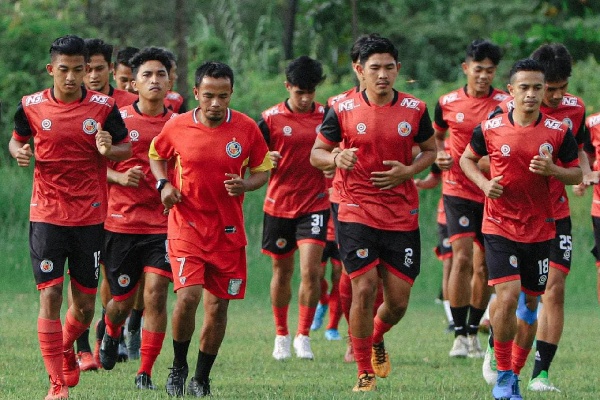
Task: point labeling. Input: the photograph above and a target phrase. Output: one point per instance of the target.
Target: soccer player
(74, 131)
(378, 230)
(174, 101)
(136, 227)
(122, 70)
(214, 146)
(458, 112)
(296, 204)
(524, 148)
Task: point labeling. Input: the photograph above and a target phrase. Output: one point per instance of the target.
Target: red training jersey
(524, 212)
(174, 101)
(207, 216)
(122, 97)
(593, 125)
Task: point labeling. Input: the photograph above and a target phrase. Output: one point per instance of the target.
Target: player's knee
(524, 312)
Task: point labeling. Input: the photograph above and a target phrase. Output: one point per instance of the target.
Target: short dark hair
(358, 43)
(526, 64)
(213, 69)
(97, 46)
(124, 55)
(305, 73)
(480, 49)
(377, 45)
(171, 55)
(149, 54)
(69, 45)
(556, 59)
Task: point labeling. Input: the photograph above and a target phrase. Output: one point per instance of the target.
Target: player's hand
(235, 186)
(103, 140)
(346, 159)
(391, 178)
(170, 196)
(275, 156)
(592, 178)
(542, 165)
(131, 177)
(579, 190)
(444, 160)
(493, 189)
(24, 155)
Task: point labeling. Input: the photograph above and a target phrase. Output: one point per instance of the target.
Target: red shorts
(222, 273)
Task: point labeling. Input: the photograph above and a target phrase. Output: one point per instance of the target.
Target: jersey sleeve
(497, 111)
(330, 129)
(478, 142)
(425, 128)
(582, 136)
(259, 159)
(568, 151)
(22, 129)
(438, 118)
(264, 128)
(115, 126)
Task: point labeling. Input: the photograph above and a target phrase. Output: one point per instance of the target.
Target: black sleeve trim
(425, 128)
(568, 150)
(266, 132)
(115, 126)
(478, 142)
(22, 126)
(330, 128)
(438, 116)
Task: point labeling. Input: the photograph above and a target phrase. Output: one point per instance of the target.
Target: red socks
(503, 352)
(151, 346)
(72, 330)
(519, 358)
(305, 318)
(379, 329)
(50, 335)
(362, 353)
(280, 314)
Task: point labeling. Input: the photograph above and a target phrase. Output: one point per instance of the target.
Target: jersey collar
(394, 100)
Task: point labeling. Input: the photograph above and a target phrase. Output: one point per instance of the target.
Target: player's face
(98, 75)
(379, 73)
(300, 100)
(480, 75)
(527, 88)
(555, 91)
(152, 81)
(68, 73)
(213, 95)
(123, 78)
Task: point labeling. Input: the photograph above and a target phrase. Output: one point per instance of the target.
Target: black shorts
(596, 224)
(464, 218)
(508, 260)
(281, 236)
(562, 246)
(127, 256)
(444, 249)
(51, 245)
(363, 247)
(331, 251)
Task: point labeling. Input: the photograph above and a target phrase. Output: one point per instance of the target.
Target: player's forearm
(568, 176)
(423, 161)
(119, 152)
(472, 171)
(322, 159)
(112, 176)
(256, 180)
(159, 169)
(584, 162)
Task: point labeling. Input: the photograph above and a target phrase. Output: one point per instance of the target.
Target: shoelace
(365, 380)
(379, 353)
(176, 375)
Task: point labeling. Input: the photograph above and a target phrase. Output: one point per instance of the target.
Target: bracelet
(334, 157)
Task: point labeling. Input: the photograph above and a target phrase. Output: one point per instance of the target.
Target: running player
(296, 204)
(214, 146)
(518, 222)
(459, 112)
(378, 229)
(136, 227)
(74, 131)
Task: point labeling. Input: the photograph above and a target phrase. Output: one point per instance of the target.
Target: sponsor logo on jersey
(512, 260)
(234, 286)
(318, 129)
(361, 128)
(545, 146)
(34, 99)
(493, 123)
(404, 128)
(346, 105)
(321, 110)
(90, 126)
(280, 243)
(99, 98)
(510, 106)
(46, 266)
(272, 111)
(460, 117)
(410, 103)
(172, 96)
(553, 124)
(500, 97)
(569, 101)
(593, 121)
(463, 221)
(233, 149)
(124, 280)
(505, 150)
(287, 131)
(337, 98)
(46, 124)
(134, 135)
(568, 122)
(362, 253)
(449, 98)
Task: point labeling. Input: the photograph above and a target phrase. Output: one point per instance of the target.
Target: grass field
(245, 369)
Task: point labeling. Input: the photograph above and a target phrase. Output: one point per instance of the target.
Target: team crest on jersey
(505, 150)
(569, 101)
(46, 124)
(134, 135)
(362, 253)
(34, 99)
(361, 128)
(280, 243)
(404, 128)
(233, 149)
(234, 287)
(512, 260)
(463, 221)
(318, 129)
(47, 266)
(124, 280)
(460, 117)
(450, 98)
(287, 131)
(545, 146)
(99, 98)
(568, 122)
(90, 126)
(493, 123)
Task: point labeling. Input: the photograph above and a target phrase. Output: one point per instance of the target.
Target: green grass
(245, 369)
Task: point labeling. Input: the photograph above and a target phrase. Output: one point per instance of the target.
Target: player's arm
(130, 178)
(19, 146)
(325, 154)
(266, 132)
(110, 137)
(258, 176)
(469, 164)
(169, 194)
(440, 129)
(432, 179)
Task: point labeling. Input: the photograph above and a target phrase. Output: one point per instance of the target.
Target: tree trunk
(181, 26)
(289, 25)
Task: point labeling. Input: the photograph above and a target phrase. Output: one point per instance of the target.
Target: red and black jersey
(137, 210)
(69, 178)
(122, 98)
(460, 113)
(295, 188)
(207, 216)
(524, 211)
(572, 112)
(175, 102)
(593, 125)
(380, 133)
